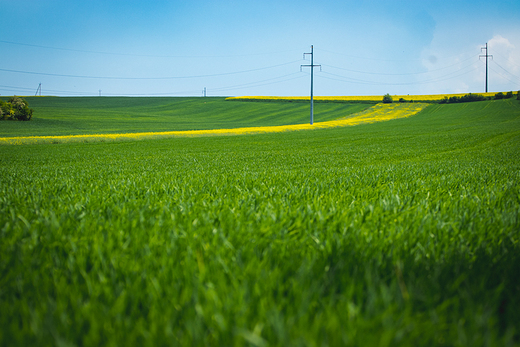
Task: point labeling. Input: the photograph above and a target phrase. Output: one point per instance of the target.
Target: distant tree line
(477, 97)
(387, 98)
(465, 98)
(15, 109)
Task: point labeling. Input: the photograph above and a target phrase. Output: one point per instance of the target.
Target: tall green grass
(402, 233)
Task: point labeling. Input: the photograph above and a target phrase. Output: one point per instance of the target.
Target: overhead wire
(270, 81)
(399, 74)
(17, 88)
(264, 82)
(504, 77)
(143, 55)
(190, 92)
(389, 60)
(508, 59)
(261, 83)
(433, 80)
(500, 66)
(146, 78)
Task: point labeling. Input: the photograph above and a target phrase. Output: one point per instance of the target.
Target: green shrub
(387, 99)
(509, 95)
(518, 95)
(5, 109)
(499, 96)
(453, 99)
(465, 98)
(402, 100)
(15, 109)
(472, 97)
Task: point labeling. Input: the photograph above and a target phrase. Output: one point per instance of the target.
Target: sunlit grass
(399, 233)
(63, 116)
(378, 113)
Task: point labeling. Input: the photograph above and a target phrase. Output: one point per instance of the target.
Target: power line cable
(512, 63)
(146, 78)
(499, 54)
(397, 74)
(142, 55)
(500, 66)
(504, 77)
(351, 80)
(17, 88)
(269, 81)
(427, 81)
(227, 88)
(390, 60)
(190, 92)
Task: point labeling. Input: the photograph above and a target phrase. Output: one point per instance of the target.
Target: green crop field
(399, 233)
(77, 116)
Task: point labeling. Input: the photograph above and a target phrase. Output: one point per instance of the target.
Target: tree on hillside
(5, 109)
(499, 96)
(387, 99)
(15, 109)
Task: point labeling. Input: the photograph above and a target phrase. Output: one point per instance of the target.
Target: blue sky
(250, 47)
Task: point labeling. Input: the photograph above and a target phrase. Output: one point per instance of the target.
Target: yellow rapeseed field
(434, 97)
(377, 113)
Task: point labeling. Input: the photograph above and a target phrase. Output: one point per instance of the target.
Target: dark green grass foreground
(80, 116)
(402, 233)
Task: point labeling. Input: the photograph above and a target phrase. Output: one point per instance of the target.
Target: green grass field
(78, 116)
(399, 233)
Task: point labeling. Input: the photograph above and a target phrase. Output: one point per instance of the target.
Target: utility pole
(312, 79)
(100, 92)
(39, 90)
(486, 56)
(204, 92)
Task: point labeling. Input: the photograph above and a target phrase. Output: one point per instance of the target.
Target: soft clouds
(455, 62)
(506, 61)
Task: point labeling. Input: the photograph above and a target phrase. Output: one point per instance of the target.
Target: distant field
(399, 233)
(111, 115)
(361, 98)
(376, 113)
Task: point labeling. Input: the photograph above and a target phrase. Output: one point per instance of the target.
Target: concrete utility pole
(486, 56)
(312, 79)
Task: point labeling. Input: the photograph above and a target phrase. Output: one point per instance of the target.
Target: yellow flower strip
(377, 113)
(434, 97)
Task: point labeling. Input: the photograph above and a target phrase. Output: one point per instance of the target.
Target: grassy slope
(73, 116)
(397, 233)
